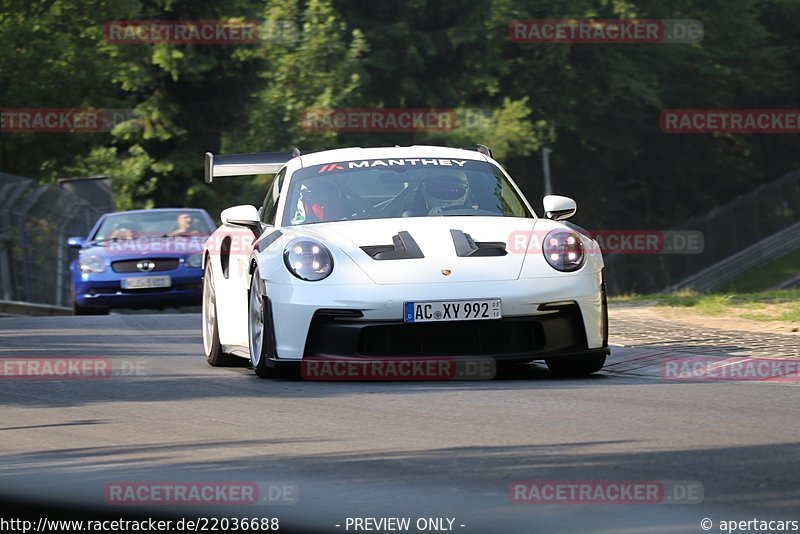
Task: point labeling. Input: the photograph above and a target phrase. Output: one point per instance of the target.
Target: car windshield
(130, 225)
(380, 189)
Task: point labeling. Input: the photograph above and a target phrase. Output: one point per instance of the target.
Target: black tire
(576, 366)
(259, 330)
(211, 344)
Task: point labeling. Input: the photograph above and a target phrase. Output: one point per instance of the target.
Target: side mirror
(558, 208)
(245, 216)
(75, 242)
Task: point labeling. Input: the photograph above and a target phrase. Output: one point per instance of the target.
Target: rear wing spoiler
(262, 162)
(246, 164)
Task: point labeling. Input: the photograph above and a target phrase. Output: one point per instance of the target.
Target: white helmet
(444, 190)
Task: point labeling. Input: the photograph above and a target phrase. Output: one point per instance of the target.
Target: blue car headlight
(92, 264)
(308, 259)
(195, 260)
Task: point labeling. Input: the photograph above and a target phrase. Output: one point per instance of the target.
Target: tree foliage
(597, 106)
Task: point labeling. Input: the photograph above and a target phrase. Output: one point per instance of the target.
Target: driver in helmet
(445, 191)
(323, 201)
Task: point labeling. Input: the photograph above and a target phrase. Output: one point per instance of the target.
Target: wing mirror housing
(75, 242)
(559, 208)
(245, 216)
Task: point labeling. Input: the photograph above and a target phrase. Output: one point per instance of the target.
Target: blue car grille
(131, 266)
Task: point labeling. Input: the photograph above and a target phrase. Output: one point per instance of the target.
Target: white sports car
(419, 252)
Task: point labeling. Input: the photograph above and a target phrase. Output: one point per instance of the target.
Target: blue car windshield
(131, 225)
(419, 187)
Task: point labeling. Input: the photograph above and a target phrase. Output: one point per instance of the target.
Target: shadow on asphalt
(168, 350)
(470, 482)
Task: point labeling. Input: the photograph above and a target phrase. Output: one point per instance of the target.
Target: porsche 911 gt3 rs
(418, 252)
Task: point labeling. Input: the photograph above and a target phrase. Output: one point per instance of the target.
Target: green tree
(49, 59)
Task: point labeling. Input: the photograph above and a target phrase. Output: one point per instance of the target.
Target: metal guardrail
(773, 247)
(13, 307)
(791, 283)
(727, 229)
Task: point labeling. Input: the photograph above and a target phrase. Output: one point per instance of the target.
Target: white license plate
(451, 310)
(146, 282)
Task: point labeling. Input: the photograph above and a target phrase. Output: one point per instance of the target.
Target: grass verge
(783, 305)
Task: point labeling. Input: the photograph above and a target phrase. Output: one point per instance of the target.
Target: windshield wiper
(181, 234)
(109, 239)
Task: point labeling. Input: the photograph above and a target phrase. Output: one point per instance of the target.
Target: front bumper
(521, 338)
(542, 318)
(104, 290)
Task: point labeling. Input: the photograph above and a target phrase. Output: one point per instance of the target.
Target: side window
(270, 207)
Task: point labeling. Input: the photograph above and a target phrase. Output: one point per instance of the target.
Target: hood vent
(468, 247)
(403, 248)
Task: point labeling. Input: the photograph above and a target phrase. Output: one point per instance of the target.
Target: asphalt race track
(394, 449)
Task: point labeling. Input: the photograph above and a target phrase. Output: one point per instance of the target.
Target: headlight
(195, 260)
(92, 264)
(308, 259)
(563, 250)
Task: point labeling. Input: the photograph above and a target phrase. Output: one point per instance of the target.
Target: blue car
(140, 259)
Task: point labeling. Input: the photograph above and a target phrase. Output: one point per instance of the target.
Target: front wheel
(211, 344)
(576, 366)
(259, 328)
